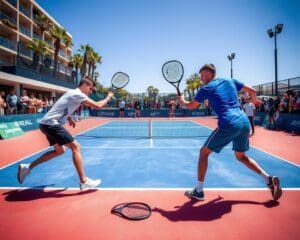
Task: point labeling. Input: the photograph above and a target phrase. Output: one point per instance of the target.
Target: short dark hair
(209, 67)
(87, 80)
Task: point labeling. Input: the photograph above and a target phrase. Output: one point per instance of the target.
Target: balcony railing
(34, 35)
(8, 43)
(63, 54)
(12, 2)
(25, 51)
(41, 68)
(25, 11)
(5, 16)
(25, 31)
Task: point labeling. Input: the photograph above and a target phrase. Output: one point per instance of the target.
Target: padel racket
(173, 72)
(119, 80)
(132, 211)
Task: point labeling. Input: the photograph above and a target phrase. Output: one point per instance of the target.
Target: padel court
(156, 154)
(152, 162)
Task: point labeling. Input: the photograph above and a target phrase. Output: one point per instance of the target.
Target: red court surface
(225, 214)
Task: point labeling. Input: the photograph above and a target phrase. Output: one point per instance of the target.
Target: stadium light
(271, 33)
(230, 58)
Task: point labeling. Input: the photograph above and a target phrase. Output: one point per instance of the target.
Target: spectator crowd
(10, 103)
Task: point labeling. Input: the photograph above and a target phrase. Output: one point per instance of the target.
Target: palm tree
(94, 59)
(193, 84)
(59, 34)
(85, 50)
(76, 61)
(152, 92)
(43, 22)
(40, 48)
(96, 75)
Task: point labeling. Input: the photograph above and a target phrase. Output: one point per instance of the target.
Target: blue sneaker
(194, 194)
(274, 185)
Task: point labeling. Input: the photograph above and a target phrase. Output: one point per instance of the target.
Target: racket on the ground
(132, 211)
(173, 72)
(119, 80)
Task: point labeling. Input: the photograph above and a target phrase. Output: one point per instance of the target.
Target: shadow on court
(40, 192)
(209, 211)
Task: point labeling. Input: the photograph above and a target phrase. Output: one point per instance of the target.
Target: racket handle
(178, 91)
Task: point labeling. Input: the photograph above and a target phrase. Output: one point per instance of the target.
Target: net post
(150, 128)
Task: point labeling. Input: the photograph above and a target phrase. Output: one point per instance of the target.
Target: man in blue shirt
(233, 125)
(12, 101)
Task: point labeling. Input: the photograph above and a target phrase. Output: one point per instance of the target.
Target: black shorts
(122, 109)
(56, 134)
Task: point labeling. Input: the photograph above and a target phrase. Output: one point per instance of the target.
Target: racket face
(119, 80)
(172, 71)
(133, 211)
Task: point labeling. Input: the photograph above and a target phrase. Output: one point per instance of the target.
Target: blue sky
(138, 36)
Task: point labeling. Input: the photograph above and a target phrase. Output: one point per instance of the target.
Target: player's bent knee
(240, 156)
(74, 146)
(204, 151)
(59, 150)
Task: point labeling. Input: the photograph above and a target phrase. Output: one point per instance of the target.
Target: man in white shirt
(122, 105)
(249, 109)
(58, 137)
(24, 99)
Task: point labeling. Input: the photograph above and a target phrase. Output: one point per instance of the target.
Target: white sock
(199, 187)
(265, 176)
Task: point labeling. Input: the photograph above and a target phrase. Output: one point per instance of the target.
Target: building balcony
(4, 16)
(31, 65)
(8, 43)
(12, 2)
(25, 30)
(25, 11)
(34, 35)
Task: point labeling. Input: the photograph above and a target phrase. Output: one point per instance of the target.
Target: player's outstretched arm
(189, 104)
(99, 104)
(252, 93)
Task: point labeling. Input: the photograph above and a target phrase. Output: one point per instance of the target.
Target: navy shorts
(237, 133)
(56, 134)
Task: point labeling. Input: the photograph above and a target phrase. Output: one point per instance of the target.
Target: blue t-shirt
(222, 95)
(12, 100)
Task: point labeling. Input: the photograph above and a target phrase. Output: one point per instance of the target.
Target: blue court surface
(124, 155)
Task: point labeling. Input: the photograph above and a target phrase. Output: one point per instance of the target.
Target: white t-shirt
(64, 107)
(249, 109)
(122, 104)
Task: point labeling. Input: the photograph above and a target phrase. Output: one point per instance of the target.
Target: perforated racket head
(119, 80)
(172, 71)
(132, 211)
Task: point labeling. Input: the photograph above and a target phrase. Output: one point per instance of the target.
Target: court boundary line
(21, 159)
(146, 189)
(146, 147)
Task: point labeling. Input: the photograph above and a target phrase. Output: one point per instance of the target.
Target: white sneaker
(23, 171)
(90, 183)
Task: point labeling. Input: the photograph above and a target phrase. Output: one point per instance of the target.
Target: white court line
(148, 189)
(147, 147)
(142, 147)
(273, 155)
(24, 158)
(151, 142)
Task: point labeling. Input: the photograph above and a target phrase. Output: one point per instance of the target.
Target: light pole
(230, 58)
(271, 33)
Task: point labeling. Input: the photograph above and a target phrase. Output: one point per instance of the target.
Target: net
(148, 129)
